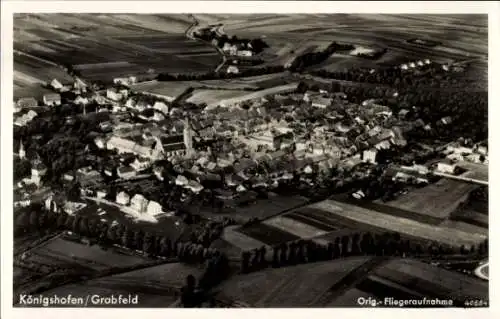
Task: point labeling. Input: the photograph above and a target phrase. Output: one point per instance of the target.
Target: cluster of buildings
(414, 64)
(240, 49)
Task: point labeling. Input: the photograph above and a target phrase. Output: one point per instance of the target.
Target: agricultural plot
(170, 88)
(435, 200)
(152, 44)
(475, 170)
(156, 286)
(265, 208)
(377, 221)
(65, 253)
(59, 260)
(268, 234)
(234, 237)
(292, 226)
(212, 97)
(429, 280)
(297, 286)
(459, 36)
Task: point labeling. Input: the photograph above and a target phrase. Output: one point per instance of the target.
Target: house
(245, 53)
(410, 176)
(369, 156)
(100, 142)
(122, 198)
(181, 180)
(139, 203)
(130, 103)
(233, 69)
(447, 167)
(26, 102)
(123, 145)
(106, 126)
(81, 100)
(101, 193)
(56, 85)
(72, 207)
(68, 177)
(109, 170)
(446, 120)
(482, 150)
(321, 102)
(113, 95)
(52, 99)
(173, 145)
(158, 117)
(25, 118)
(160, 106)
(153, 208)
(126, 172)
(79, 85)
(38, 170)
(140, 164)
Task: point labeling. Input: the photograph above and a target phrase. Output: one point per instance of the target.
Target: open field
(156, 286)
(268, 234)
(175, 88)
(475, 170)
(411, 279)
(149, 43)
(60, 259)
(461, 37)
(65, 253)
(436, 200)
(297, 286)
(402, 225)
(211, 97)
(241, 240)
(297, 228)
(431, 281)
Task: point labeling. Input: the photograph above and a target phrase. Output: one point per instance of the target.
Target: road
(190, 34)
(461, 178)
(483, 271)
(350, 280)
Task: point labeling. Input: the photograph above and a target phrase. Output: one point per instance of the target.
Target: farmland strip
(267, 234)
(352, 278)
(310, 221)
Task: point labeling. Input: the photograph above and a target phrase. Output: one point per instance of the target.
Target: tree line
(220, 75)
(38, 219)
(366, 244)
(428, 75)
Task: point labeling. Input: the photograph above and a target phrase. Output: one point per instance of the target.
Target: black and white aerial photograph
(249, 160)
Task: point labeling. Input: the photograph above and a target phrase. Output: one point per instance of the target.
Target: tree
(61, 220)
(263, 261)
(84, 226)
(275, 262)
(188, 298)
(76, 224)
(127, 238)
(138, 240)
(34, 220)
(245, 259)
(147, 244)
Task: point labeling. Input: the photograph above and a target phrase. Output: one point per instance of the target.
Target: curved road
(190, 34)
(483, 271)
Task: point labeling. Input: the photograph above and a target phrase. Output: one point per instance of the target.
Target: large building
(122, 145)
(52, 99)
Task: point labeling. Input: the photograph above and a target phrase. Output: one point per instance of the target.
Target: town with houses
(198, 197)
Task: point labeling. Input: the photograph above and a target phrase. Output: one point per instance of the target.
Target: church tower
(188, 137)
